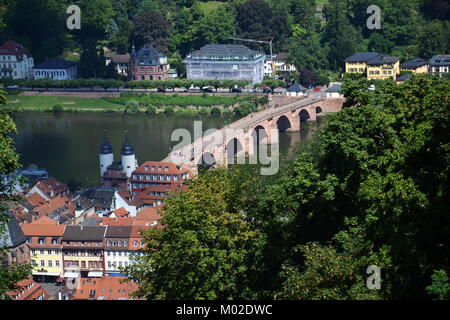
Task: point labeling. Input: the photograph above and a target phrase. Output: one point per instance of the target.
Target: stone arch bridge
(244, 137)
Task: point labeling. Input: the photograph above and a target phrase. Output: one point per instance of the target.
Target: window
(49, 252)
(42, 263)
(153, 168)
(41, 251)
(119, 243)
(41, 240)
(49, 263)
(57, 263)
(159, 168)
(135, 243)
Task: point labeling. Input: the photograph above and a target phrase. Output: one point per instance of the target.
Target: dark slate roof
(55, 64)
(127, 149)
(296, 87)
(334, 88)
(84, 233)
(106, 147)
(148, 52)
(404, 77)
(101, 195)
(225, 51)
(382, 59)
(440, 59)
(118, 232)
(13, 235)
(115, 166)
(119, 58)
(362, 57)
(91, 221)
(414, 63)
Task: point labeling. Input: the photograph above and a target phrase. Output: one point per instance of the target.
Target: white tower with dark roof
(128, 157)
(106, 155)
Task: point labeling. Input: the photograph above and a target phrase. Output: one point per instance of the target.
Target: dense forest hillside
(319, 35)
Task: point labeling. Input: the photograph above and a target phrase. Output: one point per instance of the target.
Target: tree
(440, 287)
(256, 20)
(206, 245)
(10, 275)
(152, 27)
(340, 36)
(39, 25)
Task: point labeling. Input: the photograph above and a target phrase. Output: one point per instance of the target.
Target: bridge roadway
(241, 137)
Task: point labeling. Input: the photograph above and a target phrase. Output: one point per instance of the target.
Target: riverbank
(147, 103)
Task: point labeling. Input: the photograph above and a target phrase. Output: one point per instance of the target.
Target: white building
(334, 91)
(56, 69)
(121, 244)
(225, 62)
(15, 61)
(121, 63)
(439, 64)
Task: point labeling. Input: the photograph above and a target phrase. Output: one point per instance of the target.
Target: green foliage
(132, 107)
(208, 244)
(169, 110)
(440, 287)
(57, 108)
(9, 163)
(151, 109)
(215, 112)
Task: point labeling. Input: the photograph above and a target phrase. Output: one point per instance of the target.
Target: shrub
(203, 112)
(151, 109)
(57, 108)
(132, 107)
(169, 110)
(216, 112)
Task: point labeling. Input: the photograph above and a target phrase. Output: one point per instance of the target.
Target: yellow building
(373, 65)
(383, 67)
(44, 241)
(416, 65)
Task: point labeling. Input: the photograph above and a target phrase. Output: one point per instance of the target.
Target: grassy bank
(163, 103)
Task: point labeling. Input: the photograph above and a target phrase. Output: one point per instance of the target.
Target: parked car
(207, 89)
(267, 90)
(236, 90)
(162, 90)
(12, 87)
(316, 89)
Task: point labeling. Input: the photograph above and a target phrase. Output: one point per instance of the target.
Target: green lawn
(43, 103)
(210, 5)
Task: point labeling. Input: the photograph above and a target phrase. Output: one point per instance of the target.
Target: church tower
(128, 157)
(106, 155)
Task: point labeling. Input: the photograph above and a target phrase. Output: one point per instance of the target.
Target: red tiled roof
(44, 220)
(172, 168)
(51, 184)
(31, 293)
(109, 288)
(43, 230)
(11, 47)
(149, 214)
(121, 212)
(52, 205)
(36, 200)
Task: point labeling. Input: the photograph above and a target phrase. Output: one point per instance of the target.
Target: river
(67, 144)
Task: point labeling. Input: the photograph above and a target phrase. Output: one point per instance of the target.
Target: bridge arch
(206, 161)
(283, 123)
(259, 136)
(319, 109)
(304, 115)
(234, 149)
